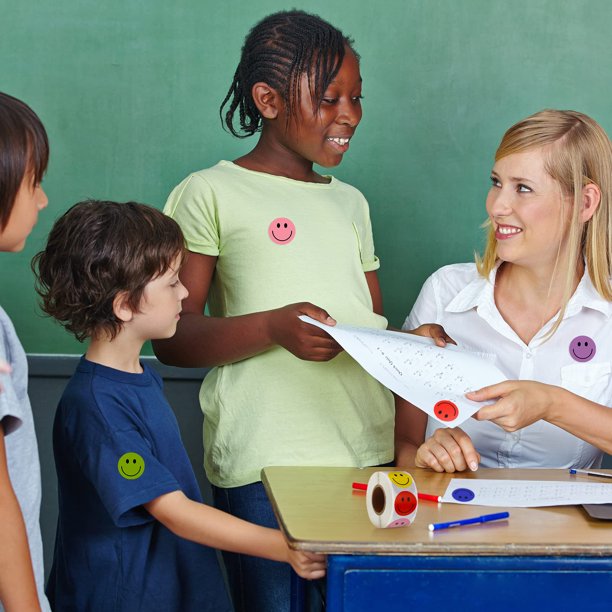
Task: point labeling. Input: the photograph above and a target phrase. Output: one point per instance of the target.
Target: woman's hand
(304, 340)
(519, 403)
(432, 330)
(448, 450)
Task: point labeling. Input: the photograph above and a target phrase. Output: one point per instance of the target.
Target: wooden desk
(542, 559)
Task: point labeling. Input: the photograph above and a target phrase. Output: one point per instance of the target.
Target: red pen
(436, 498)
(425, 496)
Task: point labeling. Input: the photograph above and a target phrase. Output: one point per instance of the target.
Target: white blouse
(577, 357)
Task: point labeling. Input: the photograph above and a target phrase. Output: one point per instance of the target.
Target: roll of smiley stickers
(391, 499)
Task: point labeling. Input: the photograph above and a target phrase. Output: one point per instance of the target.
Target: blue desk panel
(471, 584)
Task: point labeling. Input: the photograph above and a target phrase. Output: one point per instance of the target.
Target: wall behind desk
(129, 91)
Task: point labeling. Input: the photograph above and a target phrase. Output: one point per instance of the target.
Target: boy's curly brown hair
(96, 250)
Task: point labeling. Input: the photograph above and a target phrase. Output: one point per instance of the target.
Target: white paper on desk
(432, 378)
(525, 493)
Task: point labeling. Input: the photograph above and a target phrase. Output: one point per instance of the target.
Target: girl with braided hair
(270, 239)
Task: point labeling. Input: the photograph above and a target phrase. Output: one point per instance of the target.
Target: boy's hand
(302, 339)
(432, 330)
(306, 564)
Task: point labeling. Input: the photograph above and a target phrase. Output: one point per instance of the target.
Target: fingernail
(473, 466)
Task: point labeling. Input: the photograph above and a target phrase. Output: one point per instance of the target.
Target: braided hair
(277, 51)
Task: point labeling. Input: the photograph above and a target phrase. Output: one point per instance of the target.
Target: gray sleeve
(10, 407)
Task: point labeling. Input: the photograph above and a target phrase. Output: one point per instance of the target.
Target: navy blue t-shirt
(110, 553)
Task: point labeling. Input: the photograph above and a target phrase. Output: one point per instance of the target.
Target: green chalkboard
(129, 91)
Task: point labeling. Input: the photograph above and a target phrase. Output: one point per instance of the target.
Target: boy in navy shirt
(131, 519)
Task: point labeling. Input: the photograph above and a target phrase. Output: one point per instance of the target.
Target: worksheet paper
(432, 378)
(525, 493)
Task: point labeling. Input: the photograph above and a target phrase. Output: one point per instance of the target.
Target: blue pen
(485, 518)
(590, 473)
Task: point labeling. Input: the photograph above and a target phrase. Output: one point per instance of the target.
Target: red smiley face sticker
(405, 503)
(445, 410)
(281, 230)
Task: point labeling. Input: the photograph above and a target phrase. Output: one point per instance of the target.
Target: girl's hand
(432, 330)
(448, 450)
(304, 340)
(306, 564)
(519, 403)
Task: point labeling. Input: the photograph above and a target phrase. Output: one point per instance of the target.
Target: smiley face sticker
(582, 349)
(445, 410)
(402, 522)
(463, 495)
(281, 231)
(131, 466)
(400, 479)
(405, 503)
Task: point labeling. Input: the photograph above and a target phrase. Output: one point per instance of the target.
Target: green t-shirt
(280, 241)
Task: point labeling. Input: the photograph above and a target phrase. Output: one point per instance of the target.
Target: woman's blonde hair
(578, 153)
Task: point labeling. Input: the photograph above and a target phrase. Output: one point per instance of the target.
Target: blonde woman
(539, 303)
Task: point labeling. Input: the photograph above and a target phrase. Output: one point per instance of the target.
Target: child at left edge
(131, 519)
(24, 154)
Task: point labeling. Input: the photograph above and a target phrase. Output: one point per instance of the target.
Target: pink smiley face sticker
(402, 522)
(281, 230)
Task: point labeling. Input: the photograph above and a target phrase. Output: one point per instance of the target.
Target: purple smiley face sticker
(582, 348)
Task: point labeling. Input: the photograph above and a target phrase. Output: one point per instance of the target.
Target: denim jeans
(256, 585)
(259, 585)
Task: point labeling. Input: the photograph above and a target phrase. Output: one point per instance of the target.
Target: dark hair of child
(278, 51)
(96, 250)
(25, 148)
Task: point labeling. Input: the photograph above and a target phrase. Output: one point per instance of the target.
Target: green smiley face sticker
(131, 466)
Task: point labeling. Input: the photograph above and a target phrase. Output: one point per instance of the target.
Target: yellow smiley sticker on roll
(131, 466)
(400, 479)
